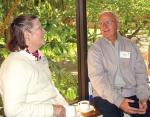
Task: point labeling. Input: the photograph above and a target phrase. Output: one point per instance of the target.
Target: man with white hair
(117, 72)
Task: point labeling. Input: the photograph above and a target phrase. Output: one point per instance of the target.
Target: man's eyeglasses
(109, 22)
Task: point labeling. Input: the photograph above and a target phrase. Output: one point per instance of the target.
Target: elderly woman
(25, 79)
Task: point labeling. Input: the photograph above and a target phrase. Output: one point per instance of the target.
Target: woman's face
(36, 36)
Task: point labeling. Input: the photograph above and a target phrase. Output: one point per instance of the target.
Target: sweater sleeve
(141, 75)
(16, 78)
(60, 99)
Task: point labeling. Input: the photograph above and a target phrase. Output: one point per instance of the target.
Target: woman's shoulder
(14, 59)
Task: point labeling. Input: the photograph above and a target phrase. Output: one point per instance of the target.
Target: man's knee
(106, 108)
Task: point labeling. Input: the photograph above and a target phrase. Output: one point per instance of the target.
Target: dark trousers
(111, 110)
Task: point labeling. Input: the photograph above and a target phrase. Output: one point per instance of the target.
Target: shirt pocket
(126, 62)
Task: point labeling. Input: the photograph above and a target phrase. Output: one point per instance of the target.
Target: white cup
(70, 111)
(84, 106)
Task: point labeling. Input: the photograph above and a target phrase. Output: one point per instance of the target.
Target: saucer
(91, 108)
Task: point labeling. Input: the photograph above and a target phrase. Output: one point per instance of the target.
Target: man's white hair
(110, 13)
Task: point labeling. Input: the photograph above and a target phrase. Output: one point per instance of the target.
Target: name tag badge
(124, 54)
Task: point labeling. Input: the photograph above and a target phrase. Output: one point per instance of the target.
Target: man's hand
(127, 108)
(59, 111)
(142, 106)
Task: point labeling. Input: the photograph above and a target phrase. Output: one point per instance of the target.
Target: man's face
(108, 26)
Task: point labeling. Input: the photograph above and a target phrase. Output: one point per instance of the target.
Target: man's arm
(99, 77)
(141, 76)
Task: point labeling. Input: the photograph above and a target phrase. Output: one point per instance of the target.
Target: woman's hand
(59, 111)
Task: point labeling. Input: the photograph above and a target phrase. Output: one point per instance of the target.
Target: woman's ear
(27, 37)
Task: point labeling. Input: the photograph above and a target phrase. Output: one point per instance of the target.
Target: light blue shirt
(119, 81)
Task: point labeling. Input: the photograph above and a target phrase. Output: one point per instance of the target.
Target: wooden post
(81, 25)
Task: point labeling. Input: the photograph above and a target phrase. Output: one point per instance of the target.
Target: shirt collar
(28, 55)
(117, 40)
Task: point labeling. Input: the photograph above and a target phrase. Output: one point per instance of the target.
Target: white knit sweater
(26, 86)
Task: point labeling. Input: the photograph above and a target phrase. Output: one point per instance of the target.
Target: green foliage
(61, 40)
(3, 51)
(131, 14)
(67, 85)
(65, 81)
